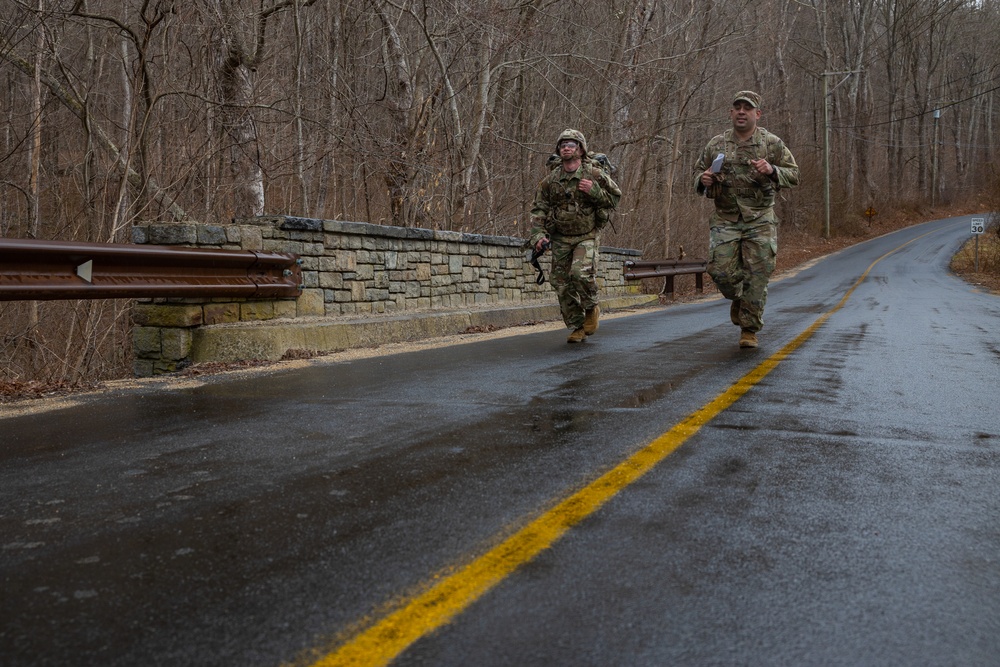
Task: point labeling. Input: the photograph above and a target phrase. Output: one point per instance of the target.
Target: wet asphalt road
(843, 512)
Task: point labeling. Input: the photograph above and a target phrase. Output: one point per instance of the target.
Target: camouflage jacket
(561, 210)
(743, 191)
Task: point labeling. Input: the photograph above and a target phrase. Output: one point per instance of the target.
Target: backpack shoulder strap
(773, 146)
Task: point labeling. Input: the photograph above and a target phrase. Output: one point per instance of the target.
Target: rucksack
(605, 162)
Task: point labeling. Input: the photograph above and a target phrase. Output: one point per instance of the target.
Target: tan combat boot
(748, 339)
(591, 322)
(577, 336)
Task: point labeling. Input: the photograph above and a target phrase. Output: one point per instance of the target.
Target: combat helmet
(573, 135)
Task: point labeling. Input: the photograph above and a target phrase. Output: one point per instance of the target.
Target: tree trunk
(399, 101)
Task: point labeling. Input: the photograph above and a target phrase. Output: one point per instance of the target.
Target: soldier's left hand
(585, 185)
(762, 166)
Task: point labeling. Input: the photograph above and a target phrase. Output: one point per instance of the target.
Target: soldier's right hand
(707, 178)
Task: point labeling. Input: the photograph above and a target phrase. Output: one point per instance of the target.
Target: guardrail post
(667, 269)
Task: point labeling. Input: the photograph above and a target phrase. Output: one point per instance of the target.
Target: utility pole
(934, 159)
(827, 91)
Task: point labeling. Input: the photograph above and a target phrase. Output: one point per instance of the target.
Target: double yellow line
(450, 593)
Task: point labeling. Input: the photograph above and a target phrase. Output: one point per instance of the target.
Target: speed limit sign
(978, 225)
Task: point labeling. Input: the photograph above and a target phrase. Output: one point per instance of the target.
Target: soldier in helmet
(572, 205)
(743, 241)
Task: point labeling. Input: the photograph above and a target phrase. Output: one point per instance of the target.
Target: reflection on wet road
(840, 512)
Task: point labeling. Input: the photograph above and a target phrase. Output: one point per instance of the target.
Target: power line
(917, 115)
(881, 143)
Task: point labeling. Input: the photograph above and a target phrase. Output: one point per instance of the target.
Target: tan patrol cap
(748, 96)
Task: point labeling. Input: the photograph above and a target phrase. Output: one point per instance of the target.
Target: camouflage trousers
(740, 261)
(574, 278)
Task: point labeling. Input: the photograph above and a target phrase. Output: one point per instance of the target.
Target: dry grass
(16, 391)
(978, 260)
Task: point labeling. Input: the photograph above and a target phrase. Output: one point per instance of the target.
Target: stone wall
(349, 269)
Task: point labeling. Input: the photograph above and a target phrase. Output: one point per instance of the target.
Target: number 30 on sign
(978, 225)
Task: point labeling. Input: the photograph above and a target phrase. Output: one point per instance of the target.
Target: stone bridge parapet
(349, 269)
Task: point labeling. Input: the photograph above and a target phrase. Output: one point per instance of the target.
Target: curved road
(654, 496)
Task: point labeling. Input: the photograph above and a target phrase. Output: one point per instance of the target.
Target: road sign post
(978, 227)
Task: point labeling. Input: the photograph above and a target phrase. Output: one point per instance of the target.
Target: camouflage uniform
(743, 241)
(573, 220)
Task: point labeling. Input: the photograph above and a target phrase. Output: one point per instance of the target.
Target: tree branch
(71, 102)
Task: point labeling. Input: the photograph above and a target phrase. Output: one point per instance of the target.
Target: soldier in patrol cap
(743, 241)
(572, 205)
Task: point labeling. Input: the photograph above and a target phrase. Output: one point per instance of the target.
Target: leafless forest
(441, 113)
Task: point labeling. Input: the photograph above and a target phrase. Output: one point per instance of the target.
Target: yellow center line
(450, 593)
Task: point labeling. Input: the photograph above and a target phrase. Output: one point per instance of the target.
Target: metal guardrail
(667, 269)
(51, 270)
